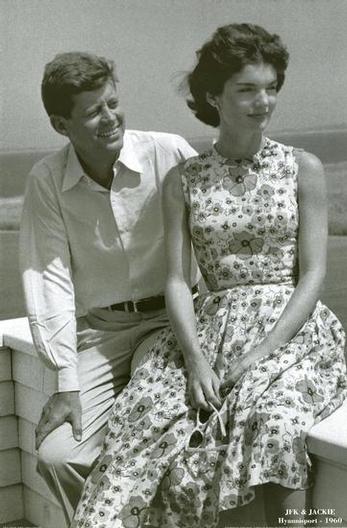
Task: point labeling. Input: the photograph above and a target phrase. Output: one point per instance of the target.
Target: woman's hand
(240, 366)
(203, 385)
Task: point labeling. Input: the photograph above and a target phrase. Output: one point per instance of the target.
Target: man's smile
(110, 131)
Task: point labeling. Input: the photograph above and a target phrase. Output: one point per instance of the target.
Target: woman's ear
(59, 123)
(212, 100)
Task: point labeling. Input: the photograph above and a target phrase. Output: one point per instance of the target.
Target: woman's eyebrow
(254, 84)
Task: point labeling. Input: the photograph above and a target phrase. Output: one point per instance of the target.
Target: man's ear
(59, 123)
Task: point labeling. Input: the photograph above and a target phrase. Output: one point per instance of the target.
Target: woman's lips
(260, 116)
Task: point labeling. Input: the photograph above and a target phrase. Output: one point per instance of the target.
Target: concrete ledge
(26, 436)
(32, 383)
(330, 487)
(41, 511)
(28, 370)
(328, 439)
(10, 470)
(11, 503)
(15, 334)
(29, 403)
(6, 398)
(5, 365)
(33, 480)
(8, 432)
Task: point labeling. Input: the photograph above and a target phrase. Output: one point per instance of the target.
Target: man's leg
(106, 345)
(104, 365)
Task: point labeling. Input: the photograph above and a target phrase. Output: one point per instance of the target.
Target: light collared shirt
(83, 246)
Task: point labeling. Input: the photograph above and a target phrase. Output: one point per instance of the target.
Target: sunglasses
(197, 438)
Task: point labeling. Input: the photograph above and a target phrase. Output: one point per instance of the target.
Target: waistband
(143, 305)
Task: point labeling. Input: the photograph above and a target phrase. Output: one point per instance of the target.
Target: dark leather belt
(143, 305)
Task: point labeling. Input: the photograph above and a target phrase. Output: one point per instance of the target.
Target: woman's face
(248, 98)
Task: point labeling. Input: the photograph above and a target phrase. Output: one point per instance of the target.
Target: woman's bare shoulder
(308, 161)
(310, 170)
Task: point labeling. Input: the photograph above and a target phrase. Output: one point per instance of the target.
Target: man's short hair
(69, 74)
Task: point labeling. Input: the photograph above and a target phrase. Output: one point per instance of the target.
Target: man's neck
(101, 171)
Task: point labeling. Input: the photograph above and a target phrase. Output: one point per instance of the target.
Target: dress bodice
(243, 216)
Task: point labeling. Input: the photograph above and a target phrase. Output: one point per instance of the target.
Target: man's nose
(262, 98)
(107, 114)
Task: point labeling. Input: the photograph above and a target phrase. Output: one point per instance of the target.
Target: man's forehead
(91, 97)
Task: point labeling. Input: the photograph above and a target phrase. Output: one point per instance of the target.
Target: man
(92, 258)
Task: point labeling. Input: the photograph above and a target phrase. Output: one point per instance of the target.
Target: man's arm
(49, 294)
(185, 150)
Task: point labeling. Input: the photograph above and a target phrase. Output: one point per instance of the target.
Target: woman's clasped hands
(205, 387)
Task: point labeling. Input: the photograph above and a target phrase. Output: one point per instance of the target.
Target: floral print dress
(156, 469)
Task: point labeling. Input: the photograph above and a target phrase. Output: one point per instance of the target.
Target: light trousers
(110, 344)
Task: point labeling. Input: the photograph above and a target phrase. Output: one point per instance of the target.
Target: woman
(223, 403)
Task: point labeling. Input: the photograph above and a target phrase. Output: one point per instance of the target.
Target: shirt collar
(130, 157)
(74, 171)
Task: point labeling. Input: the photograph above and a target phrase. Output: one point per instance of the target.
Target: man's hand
(61, 407)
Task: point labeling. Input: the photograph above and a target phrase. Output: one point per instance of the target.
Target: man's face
(96, 124)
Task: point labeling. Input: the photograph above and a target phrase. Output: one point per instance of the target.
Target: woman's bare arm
(202, 381)
(312, 246)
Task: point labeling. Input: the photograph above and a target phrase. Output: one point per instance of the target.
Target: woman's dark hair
(69, 74)
(230, 49)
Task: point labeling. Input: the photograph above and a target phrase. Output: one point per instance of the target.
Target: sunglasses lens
(196, 439)
(204, 415)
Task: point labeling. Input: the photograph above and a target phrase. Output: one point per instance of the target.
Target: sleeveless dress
(156, 469)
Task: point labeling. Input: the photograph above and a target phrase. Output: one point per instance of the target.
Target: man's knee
(60, 454)
(56, 450)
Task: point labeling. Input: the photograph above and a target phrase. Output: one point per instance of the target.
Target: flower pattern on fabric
(244, 225)
(238, 181)
(245, 244)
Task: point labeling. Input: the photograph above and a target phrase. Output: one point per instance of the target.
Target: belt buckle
(130, 306)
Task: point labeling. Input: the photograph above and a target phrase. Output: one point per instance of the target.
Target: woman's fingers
(216, 387)
(210, 390)
(204, 388)
(212, 396)
(198, 398)
(227, 385)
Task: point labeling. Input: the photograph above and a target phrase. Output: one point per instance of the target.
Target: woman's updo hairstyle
(230, 49)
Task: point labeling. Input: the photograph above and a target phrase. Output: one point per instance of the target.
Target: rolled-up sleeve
(45, 263)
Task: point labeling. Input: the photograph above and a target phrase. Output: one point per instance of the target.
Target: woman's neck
(236, 145)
